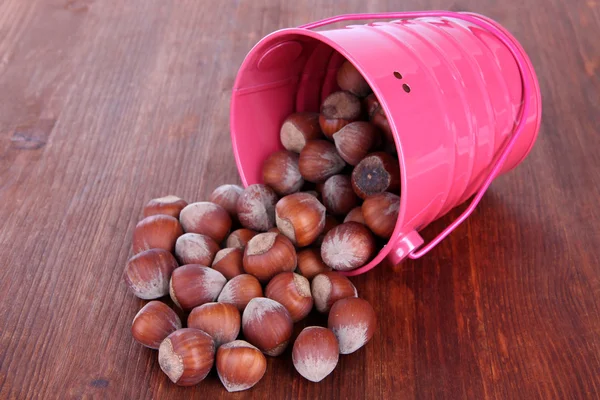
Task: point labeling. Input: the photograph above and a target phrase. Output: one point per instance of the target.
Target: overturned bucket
(459, 92)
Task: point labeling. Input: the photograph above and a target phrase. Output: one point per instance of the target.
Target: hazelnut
(267, 325)
(300, 217)
(227, 197)
(168, 205)
(281, 172)
(240, 237)
(381, 213)
(378, 118)
(256, 207)
(156, 232)
(316, 352)
(153, 323)
(193, 285)
(354, 141)
(207, 219)
(319, 160)
(274, 230)
(240, 365)
(348, 246)
(352, 321)
(293, 292)
(186, 356)
(376, 173)
(355, 215)
(240, 290)
(313, 193)
(229, 262)
(349, 79)
(337, 111)
(299, 128)
(330, 223)
(338, 196)
(310, 263)
(268, 254)
(221, 321)
(194, 248)
(329, 287)
(147, 273)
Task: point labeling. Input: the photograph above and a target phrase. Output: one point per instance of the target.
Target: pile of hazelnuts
(283, 258)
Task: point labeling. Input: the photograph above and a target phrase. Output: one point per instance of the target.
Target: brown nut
(240, 365)
(319, 160)
(349, 79)
(256, 207)
(300, 217)
(376, 173)
(240, 290)
(310, 263)
(267, 325)
(316, 353)
(221, 321)
(156, 232)
(299, 128)
(330, 223)
(355, 215)
(377, 117)
(227, 197)
(194, 248)
(229, 262)
(206, 218)
(348, 246)
(240, 237)
(153, 323)
(355, 140)
(186, 356)
(168, 205)
(353, 322)
(381, 213)
(147, 273)
(338, 196)
(268, 254)
(293, 292)
(193, 285)
(338, 110)
(281, 172)
(329, 287)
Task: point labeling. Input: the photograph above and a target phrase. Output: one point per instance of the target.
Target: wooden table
(106, 104)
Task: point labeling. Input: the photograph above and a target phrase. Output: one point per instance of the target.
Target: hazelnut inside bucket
(451, 86)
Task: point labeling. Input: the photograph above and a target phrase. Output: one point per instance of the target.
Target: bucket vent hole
(398, 75)
(406, 88)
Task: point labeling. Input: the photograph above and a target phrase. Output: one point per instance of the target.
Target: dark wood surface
(106, 104)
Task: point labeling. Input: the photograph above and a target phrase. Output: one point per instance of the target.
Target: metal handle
(521, 63)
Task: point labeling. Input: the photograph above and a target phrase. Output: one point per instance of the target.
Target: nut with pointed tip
(167, 205)
(355, 215)
(281, 172)
(338, 196)
(300, 217)
(186, 356)
(256, 207)
(378, 118)
(240, 238)
(329, 287)
(240, 365)
(338, 110)
(377, 173)
(354, 141)
(353, 322)
(293, 292)
(229, 262)
(330, 223)
(240, 290)
(349, 79)
(156, 232)
(227, 196)
(316, 353)
(268, 254)
(147, 273)
(348, 246)
(221, 321)
(194, 248)
(267, 325)
(206, 218)
(299, 128)
(381, 213)
(310, 263)
(319, 160)
(193, 285)
(153, 323)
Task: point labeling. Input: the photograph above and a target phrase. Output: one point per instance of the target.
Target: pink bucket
(460, 94)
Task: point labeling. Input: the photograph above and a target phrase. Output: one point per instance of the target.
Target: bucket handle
(521, 63)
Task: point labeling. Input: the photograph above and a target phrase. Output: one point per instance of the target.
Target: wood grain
(106, 104)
